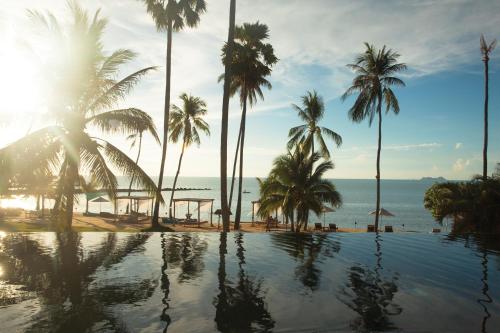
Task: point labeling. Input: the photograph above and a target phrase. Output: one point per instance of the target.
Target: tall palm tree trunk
(71, 176)
(234, 165)
(136, 162)
(166, 117)
(225, 116)
(485, 147)
(237, 217)
(175, 179)
(132, 178)
(379, 112)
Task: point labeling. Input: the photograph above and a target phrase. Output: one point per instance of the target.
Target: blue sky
(437, 133)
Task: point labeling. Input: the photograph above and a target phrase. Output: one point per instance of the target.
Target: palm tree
(136, 139)
(185, 124)
(296, 186)
(373, 82)
(90, 90)
(171, 16)
(486, 50)
(251, 63)
(311, 113)
(225, 115)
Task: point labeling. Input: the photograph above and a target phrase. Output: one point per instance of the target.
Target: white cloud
(458, 145)
(460, 165)
(429, 146)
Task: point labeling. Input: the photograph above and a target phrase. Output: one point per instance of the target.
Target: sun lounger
(370, 228)
(436, 230)
(332, 227)
(317, 226)
(388, 228)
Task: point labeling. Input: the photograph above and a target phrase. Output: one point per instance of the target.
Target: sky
(439, 131)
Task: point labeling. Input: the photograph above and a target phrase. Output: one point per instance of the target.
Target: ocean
(403, 198)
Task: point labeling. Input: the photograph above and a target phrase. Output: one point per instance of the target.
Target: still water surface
(194, 282)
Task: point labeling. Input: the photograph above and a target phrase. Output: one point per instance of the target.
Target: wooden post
(174, 208)
(198, 214)
(211, 213)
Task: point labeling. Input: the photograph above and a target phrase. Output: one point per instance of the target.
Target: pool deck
(96, 223)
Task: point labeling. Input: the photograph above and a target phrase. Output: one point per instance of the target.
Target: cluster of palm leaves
(473, 205)
(297, 186)
(84, 91)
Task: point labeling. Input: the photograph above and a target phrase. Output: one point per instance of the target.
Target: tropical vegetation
(170, 16)
(474, 206)
(311, 113)
(252, 60)
(297, 187)
(85, 90)
(375, 71)
(486, 50)
(225, 116)
(186, 123)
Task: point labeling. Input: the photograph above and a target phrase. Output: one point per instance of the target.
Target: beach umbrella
(218, 212)
(324, 210)
(382, 212)
(100, 200)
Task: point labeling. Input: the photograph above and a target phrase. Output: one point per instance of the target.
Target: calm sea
(403, 198)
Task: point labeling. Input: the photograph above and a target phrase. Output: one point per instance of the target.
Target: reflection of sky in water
(279, 281)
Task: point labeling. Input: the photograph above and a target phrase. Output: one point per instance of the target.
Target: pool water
(280, 282)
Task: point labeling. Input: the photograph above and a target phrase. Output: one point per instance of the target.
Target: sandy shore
(22, 223)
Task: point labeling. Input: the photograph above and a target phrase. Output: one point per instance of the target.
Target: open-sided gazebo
(135, 201)
(199, 202)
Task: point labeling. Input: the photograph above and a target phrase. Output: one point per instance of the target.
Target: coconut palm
(225, 116)
(136, 139)
(375, 70)
(296, 186)
(311, 113)
(185, 124)
(171, 16)
(85, 89)
(486, 50)
(251, 63)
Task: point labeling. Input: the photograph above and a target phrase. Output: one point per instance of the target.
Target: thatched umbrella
(218, 212)
(382, 212)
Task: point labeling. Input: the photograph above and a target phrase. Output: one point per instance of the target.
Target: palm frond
(126, 121)
(118, 90)
(129, 168)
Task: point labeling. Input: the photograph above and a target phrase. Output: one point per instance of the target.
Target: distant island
(433, 179)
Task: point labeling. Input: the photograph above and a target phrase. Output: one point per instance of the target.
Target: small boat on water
(245, 191)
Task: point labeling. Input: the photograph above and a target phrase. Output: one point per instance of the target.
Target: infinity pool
(198, 282)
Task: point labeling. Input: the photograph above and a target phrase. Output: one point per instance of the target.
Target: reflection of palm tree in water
(240, 308)
(185, 252)
(165, 283)
(373, 296)
(485, 289)
(70, 300)
(309, 251)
